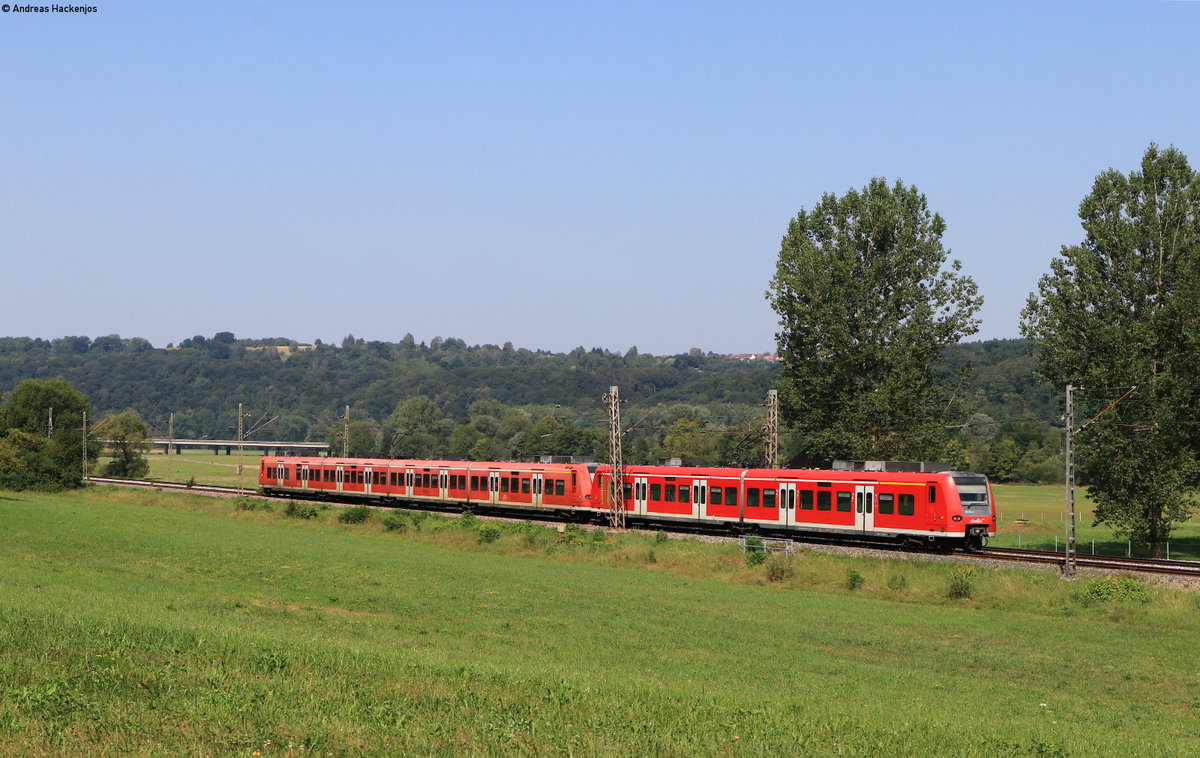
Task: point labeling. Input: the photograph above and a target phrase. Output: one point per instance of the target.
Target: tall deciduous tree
(126, 434)
(867, 306)
(30, 408)
(1123, 309)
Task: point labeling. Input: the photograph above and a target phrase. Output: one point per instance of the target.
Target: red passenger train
(945, 509)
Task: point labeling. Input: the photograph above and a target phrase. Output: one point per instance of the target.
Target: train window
(504, 484)
(655, 489)
(907, 504)
(628, 489)
(932, 492)
(684, 492)
(824, 500)
(887, 503)
(714, 494)
(768, 498)
(731, 496)
(668, 496)
(475, 483)
(751, 497)
(514, 483)
(843, 502)
(560, 486)
(806, 500)
(698, 495)
(524, 486)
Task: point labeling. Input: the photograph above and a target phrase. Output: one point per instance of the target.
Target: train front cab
(977, 517)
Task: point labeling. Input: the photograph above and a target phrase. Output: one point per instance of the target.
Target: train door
(864, 507)
(640, 488)
(341, 478)
(699, 497)
(493, 487)
(537, 485)
(278, 474)
(368, 479)
(787, 503)
(444, 485)
(303, 475)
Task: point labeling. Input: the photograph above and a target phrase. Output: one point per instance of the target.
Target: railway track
(204, 489)
(1009, 555)
(1102, 562)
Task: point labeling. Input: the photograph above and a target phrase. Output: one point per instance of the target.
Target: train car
(563, 487)
(944, 509)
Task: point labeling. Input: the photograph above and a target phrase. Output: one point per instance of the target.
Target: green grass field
(164, 624)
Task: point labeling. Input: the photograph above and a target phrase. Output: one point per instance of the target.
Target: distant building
(768, 357)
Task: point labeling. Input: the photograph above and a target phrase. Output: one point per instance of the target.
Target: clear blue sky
(487, 170)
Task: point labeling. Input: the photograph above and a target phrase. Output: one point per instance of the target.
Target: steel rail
(1105, 562)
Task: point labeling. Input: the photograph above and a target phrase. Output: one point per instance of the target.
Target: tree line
(487, 401)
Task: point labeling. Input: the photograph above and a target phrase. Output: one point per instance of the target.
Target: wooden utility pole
(772, 430)
(616, 484)
(346, 434)
(50, 424)
(1069, 549)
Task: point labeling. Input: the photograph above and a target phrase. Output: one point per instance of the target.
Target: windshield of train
(973, 491)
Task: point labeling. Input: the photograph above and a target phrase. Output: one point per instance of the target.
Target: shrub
(854, 580)
(252, 504)
(661, 537)
(467, 520)
(779, 568)
(356, 515)
(487, 533)
(962, 583)
(897, 582)
(755, 552)
(1110, 588)
(395, 522)
(300, 510)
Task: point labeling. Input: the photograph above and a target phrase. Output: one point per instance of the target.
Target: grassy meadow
(151, 623)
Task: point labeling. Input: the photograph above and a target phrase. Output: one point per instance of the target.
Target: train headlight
(956, 518)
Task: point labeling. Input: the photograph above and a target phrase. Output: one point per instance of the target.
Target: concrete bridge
(268, 447)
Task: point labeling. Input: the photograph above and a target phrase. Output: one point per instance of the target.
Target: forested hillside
(445, 397)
